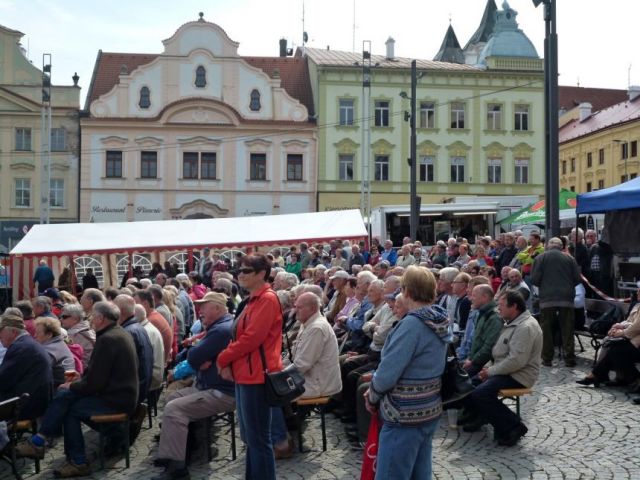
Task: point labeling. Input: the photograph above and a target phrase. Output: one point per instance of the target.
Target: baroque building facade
(197, 131)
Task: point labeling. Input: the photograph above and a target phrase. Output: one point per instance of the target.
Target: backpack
(602, 324)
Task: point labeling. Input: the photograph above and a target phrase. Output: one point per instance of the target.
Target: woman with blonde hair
(49, 335)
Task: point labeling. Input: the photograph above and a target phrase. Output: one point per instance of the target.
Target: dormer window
(145, 98)
(201, 77)
(254, 105)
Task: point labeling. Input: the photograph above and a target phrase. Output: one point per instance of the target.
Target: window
(632, 176)
(457, 115)
(254, 104)
(494, 117)
(573, 165)
(634, 148)
(208, 166)
(382, 168)
(258, 166)
(624, 151)
(345, 167)
(381, 113)
(589, 187)
(114, 164)
(190, 165)
(145, 98)
(149, 164)
(23, 139)
(522, 170)
(494, 170)
(457, 169)
(589, 160)
(623, 178)
(346, 111)
(427, 115)
(572, 188)
(23, 192)
(601, 156)
(564, 167)
(201, 77)
(56, 192)
(58, 140)
(521, 120)
(426, 168)
(294, 167)
(600, 184)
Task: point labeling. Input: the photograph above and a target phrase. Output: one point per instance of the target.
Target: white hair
(367, 276)
(146, 282)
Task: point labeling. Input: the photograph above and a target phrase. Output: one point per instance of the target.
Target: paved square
(574, 433)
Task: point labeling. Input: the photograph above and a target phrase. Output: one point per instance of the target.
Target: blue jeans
(68, 410)
(279, 431)
(254, 417)
(405, 452)
(483, 401)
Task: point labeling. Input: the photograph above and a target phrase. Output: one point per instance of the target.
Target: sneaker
(70, 469)
(27, 449)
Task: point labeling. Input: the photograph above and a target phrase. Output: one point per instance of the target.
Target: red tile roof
(294, 74)
(599, 98)
(619, 114)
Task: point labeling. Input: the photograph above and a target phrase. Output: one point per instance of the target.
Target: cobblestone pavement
(574, 433)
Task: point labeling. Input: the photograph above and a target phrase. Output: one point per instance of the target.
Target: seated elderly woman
(315, 354)
(78, 330)
(620, 352)
(49, 335)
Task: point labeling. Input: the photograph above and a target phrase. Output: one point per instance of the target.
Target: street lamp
(414, 200)
(552, 183)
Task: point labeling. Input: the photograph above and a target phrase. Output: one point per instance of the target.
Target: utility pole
(45, 140)
(414, 199)
(365, 171)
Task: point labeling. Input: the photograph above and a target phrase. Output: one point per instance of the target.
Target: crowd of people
(369, 327)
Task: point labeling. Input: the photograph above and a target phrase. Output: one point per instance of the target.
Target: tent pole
(190, 261)
(72, 272)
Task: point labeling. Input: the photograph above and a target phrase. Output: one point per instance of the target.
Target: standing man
(205, 267)
(556, 276)
(43, 277)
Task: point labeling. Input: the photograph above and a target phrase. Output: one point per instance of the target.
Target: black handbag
(284, 386)
(456, 383)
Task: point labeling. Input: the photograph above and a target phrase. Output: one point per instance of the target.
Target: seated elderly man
(110, 385)
(315, 354)
(516, 364)
(78, 330)
(210, 395)
(26, 367)
(42, 307)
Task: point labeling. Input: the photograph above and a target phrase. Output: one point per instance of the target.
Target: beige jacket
(315, 353)
(518, 349)
(632, 331)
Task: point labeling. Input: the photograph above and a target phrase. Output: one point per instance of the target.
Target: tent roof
(168, 235)
(619, 197)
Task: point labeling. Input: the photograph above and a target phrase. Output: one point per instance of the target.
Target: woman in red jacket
(257, 326)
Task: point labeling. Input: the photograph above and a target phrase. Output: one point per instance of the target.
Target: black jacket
(26, 368)
(144, 350)
(112, 373)
(505, 257)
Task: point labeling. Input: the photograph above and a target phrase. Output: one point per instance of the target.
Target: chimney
(634, 92)
(390, 43)
(283, 47)
(585, 111)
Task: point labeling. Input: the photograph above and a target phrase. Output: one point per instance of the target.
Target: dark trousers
(483, 402)
(564, 317)
(351, 370)
(254, 417)
(69, 410)
(363, 415)
(621, 356)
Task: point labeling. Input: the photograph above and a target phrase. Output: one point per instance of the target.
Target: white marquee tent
(57, 243)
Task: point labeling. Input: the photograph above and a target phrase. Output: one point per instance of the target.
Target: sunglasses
(246, 270)
(62, 317)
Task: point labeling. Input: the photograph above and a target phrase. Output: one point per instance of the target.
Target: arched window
(201, 77)
(145, 98)
(254, 106)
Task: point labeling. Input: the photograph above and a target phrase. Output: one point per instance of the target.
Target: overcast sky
(598, 40)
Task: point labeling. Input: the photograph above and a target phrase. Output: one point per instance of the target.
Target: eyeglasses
(246, 270)
(62, 317)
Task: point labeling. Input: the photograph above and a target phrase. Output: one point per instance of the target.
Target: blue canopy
(619, 197)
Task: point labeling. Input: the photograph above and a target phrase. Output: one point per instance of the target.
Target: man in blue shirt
(210, 395)
(389, 254)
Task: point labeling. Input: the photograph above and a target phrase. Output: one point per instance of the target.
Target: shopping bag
(370, 454)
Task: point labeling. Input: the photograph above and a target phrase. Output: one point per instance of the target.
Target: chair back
(10, 408)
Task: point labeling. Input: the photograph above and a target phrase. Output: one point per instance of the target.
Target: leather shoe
(286, 452)
(589, 381)
(474, 425)
(636, 401)
(512, 437)
(349, 419)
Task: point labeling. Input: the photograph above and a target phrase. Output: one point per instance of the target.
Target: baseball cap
(213, 297)
(52, 293)
(340, 274)
(11, 320)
